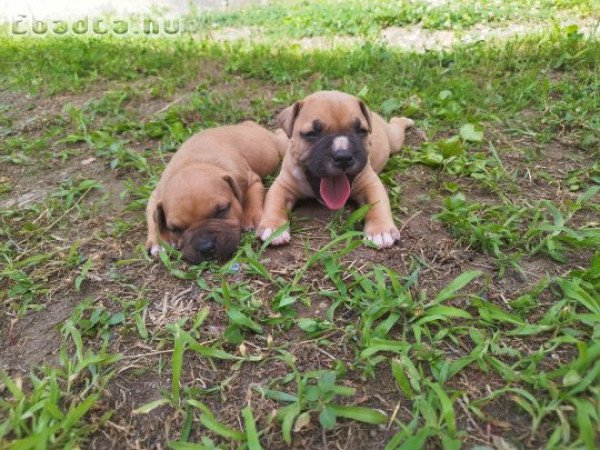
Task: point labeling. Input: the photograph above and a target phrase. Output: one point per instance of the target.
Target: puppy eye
(176, 230)
(361, 131)
(221, 211)
(311, 135)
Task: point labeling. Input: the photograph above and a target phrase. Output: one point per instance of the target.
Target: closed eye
(176, 230)
(360, 130)
(221, 211)
(310, 135)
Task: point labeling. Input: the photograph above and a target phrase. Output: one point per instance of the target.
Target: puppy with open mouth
(336, 149)
(212, 189)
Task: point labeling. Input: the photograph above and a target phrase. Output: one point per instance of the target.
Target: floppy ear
(287, 117)
(160, 218)
(235, 187)
(367, 113)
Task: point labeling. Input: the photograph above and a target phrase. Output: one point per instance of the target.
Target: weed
(316, 393)
(299, 19)
(49, 410)
(299, 343)
(541, 227)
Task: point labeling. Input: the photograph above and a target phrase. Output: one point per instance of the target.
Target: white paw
(155, 250)
(385, 239)
(283, 238)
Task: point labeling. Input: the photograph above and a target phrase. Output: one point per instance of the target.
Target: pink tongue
(335, 191)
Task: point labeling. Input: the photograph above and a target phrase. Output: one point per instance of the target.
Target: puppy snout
(342, 158)
(206, 245)
(341, 154)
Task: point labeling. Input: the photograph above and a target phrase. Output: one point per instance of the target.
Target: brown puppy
(212, 189)
(337, 147)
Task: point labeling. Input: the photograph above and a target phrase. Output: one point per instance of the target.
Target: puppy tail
(396, 130)
(282, 141)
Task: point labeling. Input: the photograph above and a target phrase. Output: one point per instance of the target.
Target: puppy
(336, 149)
(211, 190)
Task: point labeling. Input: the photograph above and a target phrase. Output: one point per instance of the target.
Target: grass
(530, 229)
(47, 410)
(301, 19)
(479, 329)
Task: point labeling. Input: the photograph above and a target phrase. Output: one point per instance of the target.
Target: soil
(144, 371)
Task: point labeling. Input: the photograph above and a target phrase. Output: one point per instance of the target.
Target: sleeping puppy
(211, 190)
(336, 149)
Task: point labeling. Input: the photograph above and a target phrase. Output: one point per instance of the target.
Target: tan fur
(217, 166)
(338, 111)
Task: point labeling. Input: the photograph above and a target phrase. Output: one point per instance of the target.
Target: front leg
(253, 205)
(379, 224)
(152, 241)
(275, 213)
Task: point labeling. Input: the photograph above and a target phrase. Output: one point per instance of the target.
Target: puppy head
(329, 134)
(201, 213)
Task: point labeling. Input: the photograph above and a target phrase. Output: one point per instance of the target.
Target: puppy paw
(404, 122)
(154, 249)
(382, 237)
(265, 233)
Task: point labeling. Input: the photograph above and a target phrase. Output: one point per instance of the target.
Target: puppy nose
(342, 158)
(206, 245)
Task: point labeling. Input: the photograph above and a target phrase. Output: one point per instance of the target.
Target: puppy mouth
(331, 164)
(335, 191)
(331, 190)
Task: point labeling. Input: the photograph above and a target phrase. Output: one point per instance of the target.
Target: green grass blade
(210, 422)
(448, 312)
(200, 318)
(572, 289)
(187, 425)
(401, 379)
(279, 395)
(289, 417)
(587, 433)
(12, 387)
(177, 364)
(456, 285)
(212, 352)
(187, 446)
(414, 442)
(242, 320)
(447, 410)
(78, 412)
(250, 425)
(147, 407)
(361, 414)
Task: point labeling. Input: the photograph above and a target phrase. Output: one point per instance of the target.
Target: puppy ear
(287, 117)
(160, 218)
(367, 113)
(237, 191)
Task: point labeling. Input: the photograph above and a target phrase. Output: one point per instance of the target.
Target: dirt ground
(144, 371)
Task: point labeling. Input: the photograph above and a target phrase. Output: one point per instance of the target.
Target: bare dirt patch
(35, 339)
(121, 273)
